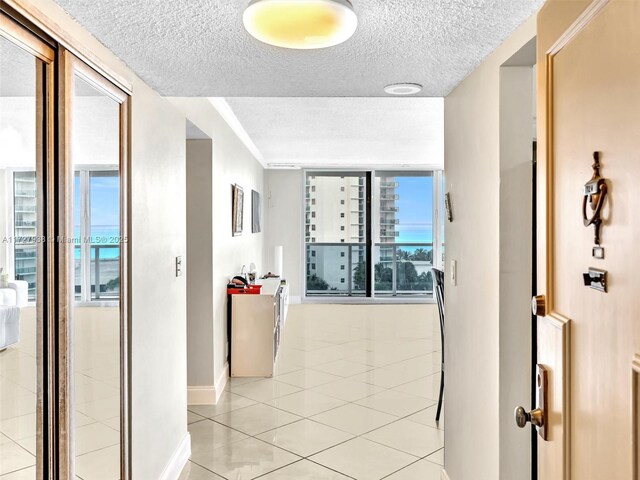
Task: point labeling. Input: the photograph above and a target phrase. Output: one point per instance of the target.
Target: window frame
(85, 171)
(10, 247)
(373, 225)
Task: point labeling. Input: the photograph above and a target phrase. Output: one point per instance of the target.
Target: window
(403, 254)
(313, 214)
(313, 201)
(313, 188)
(313, 228)
(96, 218)
(405, 246)
(336, 241)
(104, 220)
(24, 228)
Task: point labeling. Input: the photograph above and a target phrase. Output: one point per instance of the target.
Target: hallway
(354, 397)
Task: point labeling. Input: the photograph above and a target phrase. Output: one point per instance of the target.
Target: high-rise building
(24, 191)
(335, 214)
(388, 198)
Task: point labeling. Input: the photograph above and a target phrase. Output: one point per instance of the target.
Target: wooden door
(589, 84)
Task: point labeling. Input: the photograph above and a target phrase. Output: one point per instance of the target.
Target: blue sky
(416, 209)
(105, 201)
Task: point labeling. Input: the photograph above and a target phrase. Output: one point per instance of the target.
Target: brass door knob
(535, 417)
(539, 306)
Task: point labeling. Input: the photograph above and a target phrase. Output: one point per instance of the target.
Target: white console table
(256, 328)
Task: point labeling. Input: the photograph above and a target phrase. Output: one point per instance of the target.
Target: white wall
(199, 264)
(284, 215)
(516, 197)
(472, 172)
(94, 128)
(158, 315)
(158, 235)
(233, 163)
(18, 132)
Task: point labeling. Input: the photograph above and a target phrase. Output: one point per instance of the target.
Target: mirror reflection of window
(24, 228)
(96, 223)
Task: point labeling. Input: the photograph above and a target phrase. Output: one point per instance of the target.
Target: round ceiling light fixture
(403, 89)
(301, 24)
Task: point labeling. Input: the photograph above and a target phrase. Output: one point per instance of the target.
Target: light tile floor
(97, 397)
(354, 397)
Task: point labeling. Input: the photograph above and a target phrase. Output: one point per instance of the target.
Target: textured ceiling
(18, 74)
(200, 48)
(17, 71)
(344, 132)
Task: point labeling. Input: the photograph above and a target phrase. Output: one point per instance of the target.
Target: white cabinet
(256, 328)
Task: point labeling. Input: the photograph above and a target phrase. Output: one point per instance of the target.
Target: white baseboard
(443, 475)
(208, 395)
(295, 300)
(201, 395)
(221, 382)
(178, 460)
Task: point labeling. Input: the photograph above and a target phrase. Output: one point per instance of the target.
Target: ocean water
(104, 237)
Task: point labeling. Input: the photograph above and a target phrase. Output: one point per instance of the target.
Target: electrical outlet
(454, 273)
(178, 266)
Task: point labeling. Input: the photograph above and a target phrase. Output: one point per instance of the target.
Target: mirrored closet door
(95, 258)
(64, 341)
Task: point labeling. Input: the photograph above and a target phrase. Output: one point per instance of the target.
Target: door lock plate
(542, 388)
(539, 416)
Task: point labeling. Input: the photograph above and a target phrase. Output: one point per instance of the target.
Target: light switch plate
(454, 273)
(178, 266)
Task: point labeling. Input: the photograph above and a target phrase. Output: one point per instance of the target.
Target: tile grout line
(314, 369)
(255, 436)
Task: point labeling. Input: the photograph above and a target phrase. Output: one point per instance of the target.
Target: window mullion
(373, 231)
(437, 219)
(368, 233)
(85, 228)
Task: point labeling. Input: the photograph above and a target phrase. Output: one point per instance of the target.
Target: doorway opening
(199, 267)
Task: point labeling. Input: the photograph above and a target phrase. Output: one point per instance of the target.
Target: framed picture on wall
(237, 202)
(256, 212)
